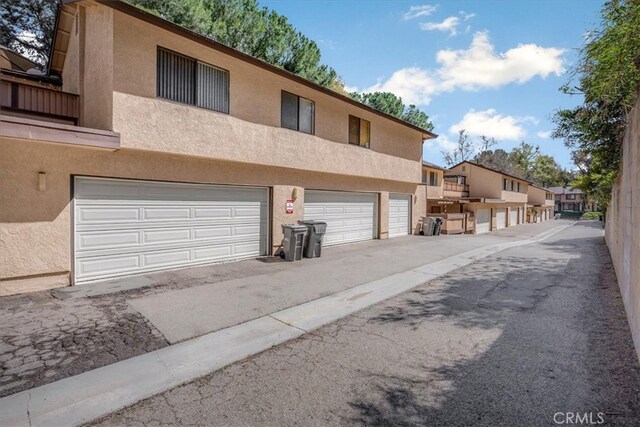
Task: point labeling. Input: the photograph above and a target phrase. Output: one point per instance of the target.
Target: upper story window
(505, 184)
(433, 179)
(518, 187)
(513, 185)
(571, 196)
(359, 132)
(558, 197)
(297, 113)
(184, 79)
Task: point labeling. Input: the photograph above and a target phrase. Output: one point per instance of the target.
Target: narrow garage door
(501, 218)
(483, 221)
(513, 216)
(350, 217)
(125, 227)
(399, 214)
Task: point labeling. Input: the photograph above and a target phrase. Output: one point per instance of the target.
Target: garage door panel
(483, 221)
(501, 218)
(160, 235)
(350, 217)
(399, 212)
(513, 217)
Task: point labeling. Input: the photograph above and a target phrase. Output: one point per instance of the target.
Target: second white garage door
(483, 221)
(513, 217)
(350, 217)
(125, 227)
(501, 218)
(399, 214)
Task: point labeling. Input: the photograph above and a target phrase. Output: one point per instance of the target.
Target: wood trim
(29, 129)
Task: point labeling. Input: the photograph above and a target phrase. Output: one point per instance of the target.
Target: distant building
(571, 199)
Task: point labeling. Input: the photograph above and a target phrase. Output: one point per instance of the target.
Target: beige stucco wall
(488, 184)
(35, 226)
(255, 92)
(433, 192)
(156, 125)
(623, 225)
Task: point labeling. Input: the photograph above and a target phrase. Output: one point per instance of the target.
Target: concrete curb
(94, 394)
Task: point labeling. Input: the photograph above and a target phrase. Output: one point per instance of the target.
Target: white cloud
(480, 67)
(418, 11)
(475, 68)
(414, 85)
(546, 134)
(442, 143)
(491, 124)
(448, 25)
(466, 16)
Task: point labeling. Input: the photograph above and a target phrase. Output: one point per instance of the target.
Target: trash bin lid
(294, 227)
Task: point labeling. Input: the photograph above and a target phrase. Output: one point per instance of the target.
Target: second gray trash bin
(293, 242)
(315, 234)
(438, 225)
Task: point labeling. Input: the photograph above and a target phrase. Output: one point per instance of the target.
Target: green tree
(523, 159)
(497, 159)
(607, 76)
(26, 26)
(546, 172)
(391, 104)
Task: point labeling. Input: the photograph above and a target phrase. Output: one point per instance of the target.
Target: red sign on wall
(289, 207)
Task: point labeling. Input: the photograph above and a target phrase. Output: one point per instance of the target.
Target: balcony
(22, 99)
(453, 189)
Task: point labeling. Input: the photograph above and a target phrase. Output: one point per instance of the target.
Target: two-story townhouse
(497, 199)
(572, 199)
(540, 204)
(447, 195)
(163, 149)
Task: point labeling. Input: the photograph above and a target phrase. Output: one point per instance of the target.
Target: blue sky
(491, 67)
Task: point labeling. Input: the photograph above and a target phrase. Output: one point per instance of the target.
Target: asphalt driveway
(529, 336)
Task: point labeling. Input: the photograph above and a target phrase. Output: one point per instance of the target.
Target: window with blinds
(186, 80)
(359, 132)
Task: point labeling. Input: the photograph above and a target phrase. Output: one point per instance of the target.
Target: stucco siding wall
(255, 92)
(155, 125)
(35, 226)
(623, 225)
(484, 183)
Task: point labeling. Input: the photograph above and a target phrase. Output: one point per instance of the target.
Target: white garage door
(125, 227)
(483, 221)
(513, 217)
(399, 214)
(501, 218)
(350, 217)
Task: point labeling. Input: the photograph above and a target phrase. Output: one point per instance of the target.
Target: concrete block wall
(623, 225)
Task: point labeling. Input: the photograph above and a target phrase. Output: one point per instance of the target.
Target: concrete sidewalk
(93, 394)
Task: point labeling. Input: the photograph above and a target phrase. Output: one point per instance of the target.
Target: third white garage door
(483, 221)
(513, 217)
(350, 217)
(399, 214)
(501, 218)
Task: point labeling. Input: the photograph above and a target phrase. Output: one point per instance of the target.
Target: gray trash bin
(315, 234)
(437, 226)
(293, 244)
(428, 225)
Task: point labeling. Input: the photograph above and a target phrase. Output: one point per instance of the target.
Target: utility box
(315, 235)
(293, 244)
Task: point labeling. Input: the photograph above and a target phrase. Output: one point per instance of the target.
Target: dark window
(571, 196)
(518, 187)
(297, 113)
(359, 131)
(433, 179)
(513, 185)
(186, 80)
(505, 184)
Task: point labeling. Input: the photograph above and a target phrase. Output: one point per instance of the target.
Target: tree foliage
(463, 151)
(607, 76)
(391, 104)
(26, 26)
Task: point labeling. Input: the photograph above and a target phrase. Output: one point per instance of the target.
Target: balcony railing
(453, 186)
(30, 100)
